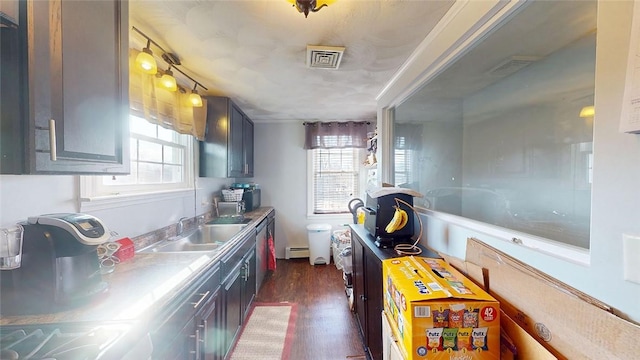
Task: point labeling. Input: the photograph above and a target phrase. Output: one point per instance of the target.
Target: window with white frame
(335, 179)
(402, 162)
(161, 160)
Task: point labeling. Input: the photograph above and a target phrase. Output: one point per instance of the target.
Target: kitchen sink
(207, 237)
(226, 220)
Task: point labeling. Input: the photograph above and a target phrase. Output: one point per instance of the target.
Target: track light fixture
(147, 64)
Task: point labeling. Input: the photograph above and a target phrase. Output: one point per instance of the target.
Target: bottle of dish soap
(361, 215)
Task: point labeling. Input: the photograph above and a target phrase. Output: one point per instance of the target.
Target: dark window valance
(335, 134)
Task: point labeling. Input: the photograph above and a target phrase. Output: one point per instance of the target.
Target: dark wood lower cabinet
(238, 289)
(233, 308)
(181, 332)
(367, 287)
(208, 323)
(204, 322)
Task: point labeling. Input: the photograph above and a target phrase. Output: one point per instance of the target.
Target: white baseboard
(296, 252)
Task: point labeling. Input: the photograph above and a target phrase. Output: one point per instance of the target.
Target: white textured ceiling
(254, 51)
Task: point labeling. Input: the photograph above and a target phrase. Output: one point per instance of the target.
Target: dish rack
(232, 194)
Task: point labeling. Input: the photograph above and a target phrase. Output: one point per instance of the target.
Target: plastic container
(232, 195)
(319, 237)
(345, 256)
(340, 239)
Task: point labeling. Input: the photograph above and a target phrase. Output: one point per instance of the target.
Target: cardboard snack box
(437, 313)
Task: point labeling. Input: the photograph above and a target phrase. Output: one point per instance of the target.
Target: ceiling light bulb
(587, 111)
(168, 81)
(146, 62)
(195, 99)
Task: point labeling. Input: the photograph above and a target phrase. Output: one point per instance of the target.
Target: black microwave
(251, 199)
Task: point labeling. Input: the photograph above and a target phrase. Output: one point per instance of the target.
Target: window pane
(172, 174)
(123, 179)
(335, 179)
(173, 155)
(150, 151)
(508, 146)
(166, 134)
(159, 158)
(141, 126)
(150, 173)
(133, 148)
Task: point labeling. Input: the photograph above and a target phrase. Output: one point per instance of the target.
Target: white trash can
(319, 243)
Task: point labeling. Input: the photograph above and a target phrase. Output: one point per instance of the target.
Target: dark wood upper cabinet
(227, 151)
(74, 61)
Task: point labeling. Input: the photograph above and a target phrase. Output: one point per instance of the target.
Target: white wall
(615, 195)
(281, 171)
(22, 196)
(280, 165)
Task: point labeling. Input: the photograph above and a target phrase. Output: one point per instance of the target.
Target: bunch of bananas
(399, 220)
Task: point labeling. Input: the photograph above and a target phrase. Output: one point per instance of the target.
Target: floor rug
(268, 333)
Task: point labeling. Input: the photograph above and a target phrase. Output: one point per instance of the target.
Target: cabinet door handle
(363, 298)
(203, 339)
(204, 296)
(246, 269)
(196, 351)
(52, 140)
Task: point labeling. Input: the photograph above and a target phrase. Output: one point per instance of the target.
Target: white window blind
(335, 179)
(402, 162)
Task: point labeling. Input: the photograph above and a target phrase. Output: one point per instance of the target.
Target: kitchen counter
(140, 287)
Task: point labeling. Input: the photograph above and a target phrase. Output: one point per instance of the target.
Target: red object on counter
(126, 250)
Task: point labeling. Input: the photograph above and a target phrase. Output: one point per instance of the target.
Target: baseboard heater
(296, 252)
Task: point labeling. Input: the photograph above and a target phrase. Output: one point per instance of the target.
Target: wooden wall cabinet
(74, 89)
(227, 151)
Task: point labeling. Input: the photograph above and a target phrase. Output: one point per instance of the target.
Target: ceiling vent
(324, 57)
(512, 65)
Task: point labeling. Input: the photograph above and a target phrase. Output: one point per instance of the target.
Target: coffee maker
(59, 268)
(379, 210)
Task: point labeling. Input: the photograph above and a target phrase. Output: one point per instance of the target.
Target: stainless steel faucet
(180, 225)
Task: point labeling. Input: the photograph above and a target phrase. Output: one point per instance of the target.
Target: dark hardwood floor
(325, 328)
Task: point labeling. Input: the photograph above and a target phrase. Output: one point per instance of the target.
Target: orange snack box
(437, 313)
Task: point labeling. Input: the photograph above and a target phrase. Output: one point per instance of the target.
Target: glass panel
(166, 134)
(335, 179)
(122, 179)
(149, 151)
(149, 173)
(173, 155)
(133, 146)
(172, 174)
(141, 126)
(497, 136)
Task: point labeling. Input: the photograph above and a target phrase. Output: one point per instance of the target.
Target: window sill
(88, 204)
(559, 250)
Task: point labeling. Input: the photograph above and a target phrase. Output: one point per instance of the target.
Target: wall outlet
(631, 257)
